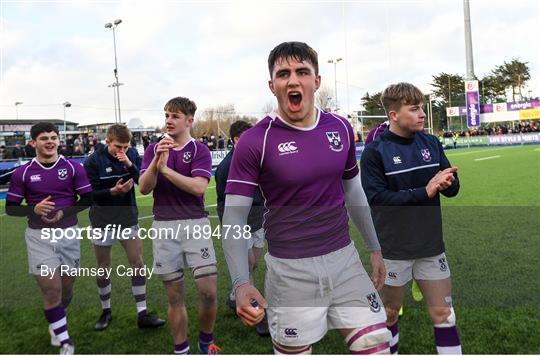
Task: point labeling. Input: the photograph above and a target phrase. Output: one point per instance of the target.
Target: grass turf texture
(492, 241)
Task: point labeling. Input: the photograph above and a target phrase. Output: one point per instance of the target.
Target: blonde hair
(396, 95)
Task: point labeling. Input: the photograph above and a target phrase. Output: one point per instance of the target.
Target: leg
(67, 290)
(133, 248)
(103, 259)
(433, 276)
(207, 287)
(51, 288)
(177, 314)
(439, 301)
(392, 298)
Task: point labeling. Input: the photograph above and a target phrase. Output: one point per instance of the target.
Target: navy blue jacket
(395, 172)
(104, 171)
(255, 217)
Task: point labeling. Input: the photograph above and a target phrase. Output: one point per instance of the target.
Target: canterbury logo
(291, 332)
(287, 147)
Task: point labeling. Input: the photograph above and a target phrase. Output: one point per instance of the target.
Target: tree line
(449, 90)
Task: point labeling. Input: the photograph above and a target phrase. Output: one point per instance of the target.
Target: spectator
(29, 151)
(18, 151)
(221, 143)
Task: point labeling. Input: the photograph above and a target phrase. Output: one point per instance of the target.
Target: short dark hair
(119, 132)
(396, 95)
(299, 51)
(181, 104)
(238, 127)
(42, 127)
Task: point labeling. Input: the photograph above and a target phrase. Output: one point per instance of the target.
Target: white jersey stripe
(264, 141)
(241, 181)
(413, 169)
(200, 169)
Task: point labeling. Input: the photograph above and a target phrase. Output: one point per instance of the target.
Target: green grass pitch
(492, 241)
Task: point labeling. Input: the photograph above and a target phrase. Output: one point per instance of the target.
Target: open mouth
(295, 100)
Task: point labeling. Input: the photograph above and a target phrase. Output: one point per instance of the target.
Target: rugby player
(303, 160)
(55, 190)
(404, 171)
(113, 172)
(177, 170)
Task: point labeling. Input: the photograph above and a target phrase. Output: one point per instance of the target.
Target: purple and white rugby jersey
(171, 202)
(63, 182)
(300, 172)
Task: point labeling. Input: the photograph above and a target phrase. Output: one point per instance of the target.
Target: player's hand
(379, 271)
(446, 178)
(122, 187)
(250, 304)
(162, 161)
(123, 158)
(44, 207)
(57, 217)
(165, 145)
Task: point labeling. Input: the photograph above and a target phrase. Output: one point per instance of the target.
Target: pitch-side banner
(472, 103)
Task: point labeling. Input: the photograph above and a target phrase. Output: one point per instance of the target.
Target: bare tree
(324, 97)
(268, 107)
(217, 121)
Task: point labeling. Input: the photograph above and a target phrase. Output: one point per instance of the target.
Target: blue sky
(215, 52)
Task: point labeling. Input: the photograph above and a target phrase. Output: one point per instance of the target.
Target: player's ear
(317, 82)
(392, 115)
(33, 143)
(271, 86)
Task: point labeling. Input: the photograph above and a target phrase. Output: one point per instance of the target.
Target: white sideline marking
(481, 151)
(484, 158)
(536, 149)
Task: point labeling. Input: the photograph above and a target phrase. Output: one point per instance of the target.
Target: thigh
(42, 256)
(398, 272)
(103, 237)
(355, 302)
(133, 246)
(69, 251)
(437, 293)
(198, 249)
(297, 326)
(431, 268)
(167, 250)
(103, 255)
(297, 306)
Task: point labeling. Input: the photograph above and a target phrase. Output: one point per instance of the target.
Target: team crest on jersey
(373, 303)
(204, 253)
(335, 141)
(442, 264)
(108, 169)
(187, 157)
(426, 155)
(62, 173)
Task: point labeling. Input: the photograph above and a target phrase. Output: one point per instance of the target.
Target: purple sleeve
(80, 180)
(245, 166)
(16, 189)
(351, 168)
(371, 136)
(148, 157)
(202, 163)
